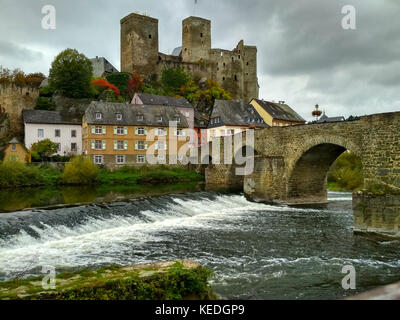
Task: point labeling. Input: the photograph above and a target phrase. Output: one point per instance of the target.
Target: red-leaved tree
(134, 84)
(105, 84)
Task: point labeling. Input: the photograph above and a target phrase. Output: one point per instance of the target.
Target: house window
(119, 159)
(222, 132)
(57, 133)
(139, 117)
(120, 145)
(98, 144)
(13, 147)
(161, 157)
(98, 159)
(118, 116)
(140, 131)
(231, 131)
(99, 116)
(120, 130)
(73, 133)
(161, 145)
(98, 129)
(140, 145)
(187, 114)
(179, 132)
(159, 118)
(40, 133)
(73, 147)
(161, 132)
(59, 146)
(140, 158)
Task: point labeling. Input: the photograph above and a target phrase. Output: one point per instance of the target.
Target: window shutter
(104, 129)
(115, 145)
(93, 145)
(125, 145)
(125, 130)
(156, 145)
(104, 144)
(165, 145)
(136, 145)
(136, 131)
(175, 132)
(145, 131)
(115, 130)
(156, 133)
(183, 132)
(145, 145)
(165, 131)
(93, 129)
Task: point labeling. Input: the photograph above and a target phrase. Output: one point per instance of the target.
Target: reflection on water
(19, 199)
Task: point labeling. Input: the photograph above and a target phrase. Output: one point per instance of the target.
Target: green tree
(71, 73)
(80, 170)
(43, 149)
(173, 79)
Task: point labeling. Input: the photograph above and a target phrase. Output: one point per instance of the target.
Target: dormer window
(99, 116)
(178, 119)
(118, 116)
(159, 118)
(139, 117)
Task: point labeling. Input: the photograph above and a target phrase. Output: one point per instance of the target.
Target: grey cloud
(304, 56)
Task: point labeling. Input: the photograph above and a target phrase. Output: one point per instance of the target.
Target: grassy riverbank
(17, 175)
(154, 281)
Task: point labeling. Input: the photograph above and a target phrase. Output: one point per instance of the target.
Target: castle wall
(13, 99)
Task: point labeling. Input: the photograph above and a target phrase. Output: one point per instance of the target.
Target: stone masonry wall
(13, 99)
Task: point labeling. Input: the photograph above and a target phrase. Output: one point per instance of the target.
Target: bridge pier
(377, 215)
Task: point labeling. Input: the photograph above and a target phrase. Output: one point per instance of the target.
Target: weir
(291, 165)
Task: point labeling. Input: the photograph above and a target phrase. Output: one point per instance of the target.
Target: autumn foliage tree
(102, 83)
(134, 84)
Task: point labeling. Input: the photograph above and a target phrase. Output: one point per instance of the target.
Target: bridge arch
(307, 172)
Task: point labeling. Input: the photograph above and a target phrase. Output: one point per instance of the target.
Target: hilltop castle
(235, 71)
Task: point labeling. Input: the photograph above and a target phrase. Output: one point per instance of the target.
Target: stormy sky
(304, 54)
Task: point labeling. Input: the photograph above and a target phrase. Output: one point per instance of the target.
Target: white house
(43, 124)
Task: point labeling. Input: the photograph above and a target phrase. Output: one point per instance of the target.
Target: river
(256, 251)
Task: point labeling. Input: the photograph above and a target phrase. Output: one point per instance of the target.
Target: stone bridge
(291, 165)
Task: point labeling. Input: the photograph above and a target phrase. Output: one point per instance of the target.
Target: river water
(256, 251)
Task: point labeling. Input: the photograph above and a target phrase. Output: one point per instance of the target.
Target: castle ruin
(235, 71)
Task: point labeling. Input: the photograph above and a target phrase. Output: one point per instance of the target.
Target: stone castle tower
(235, 70)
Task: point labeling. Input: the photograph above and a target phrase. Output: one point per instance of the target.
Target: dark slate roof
(280, 111)
(200, 119)
(14, 140)
(129, 114)
(164, 100)
(325, 118)
(235, 113)
(48, 117)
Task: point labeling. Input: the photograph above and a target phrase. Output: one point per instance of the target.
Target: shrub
(80, 170)
(45, 103)
(15, 173)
